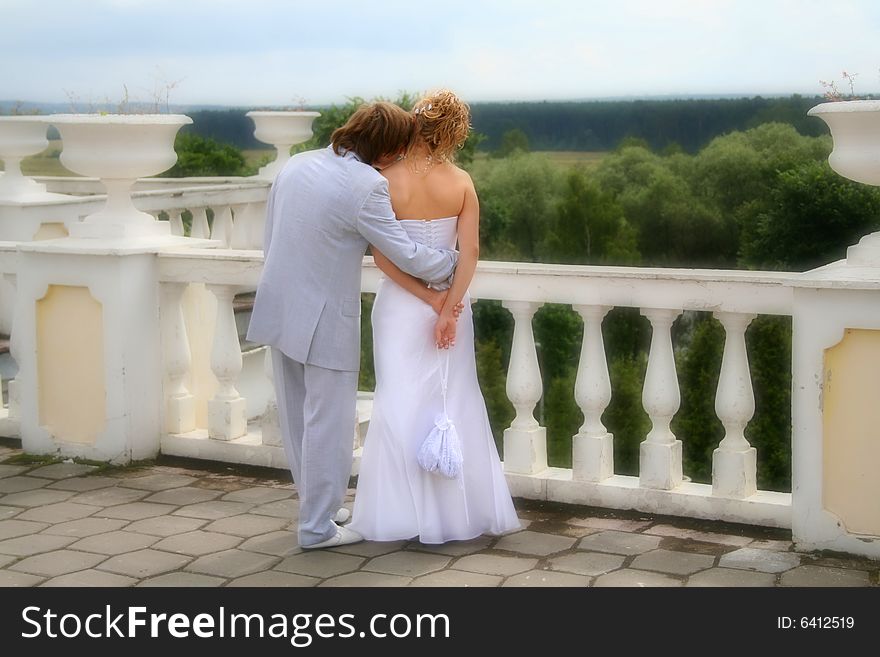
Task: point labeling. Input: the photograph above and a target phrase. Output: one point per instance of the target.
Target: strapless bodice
(438, 233)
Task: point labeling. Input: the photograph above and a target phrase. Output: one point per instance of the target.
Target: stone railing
(735, 298)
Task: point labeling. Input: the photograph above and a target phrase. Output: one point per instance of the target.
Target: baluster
(256, 223)
(200, 227)
(270, 424)
(660, 453)
(180, 406)
(12, 392)
(735, 462)
(227, 411)
(592, 456)
(176, 222)
(525, 442)
(240, 235)
(222, 228)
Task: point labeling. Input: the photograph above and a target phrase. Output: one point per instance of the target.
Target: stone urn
(855, 129)
(283, 130)
(20, 137)
(118, 149)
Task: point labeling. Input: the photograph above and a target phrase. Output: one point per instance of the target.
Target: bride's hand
(438, 299)
(444, 331)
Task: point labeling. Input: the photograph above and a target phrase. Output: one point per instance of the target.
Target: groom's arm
(377, 223)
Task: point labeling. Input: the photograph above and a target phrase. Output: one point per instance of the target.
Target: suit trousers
(316, 411)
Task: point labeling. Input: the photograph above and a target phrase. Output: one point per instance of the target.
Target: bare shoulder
(458, 175)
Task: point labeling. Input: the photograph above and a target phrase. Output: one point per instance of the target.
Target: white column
(525, 442)
(660, 453)
(592, 449)
(180, 405)
(240, 238)
(256, 223)
(269, 424)
(734, 463)
(175, 221)
(221, 229)
(12, 391)
(227, 411)
(200, 227)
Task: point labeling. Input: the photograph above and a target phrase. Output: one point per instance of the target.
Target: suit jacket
(323, 210)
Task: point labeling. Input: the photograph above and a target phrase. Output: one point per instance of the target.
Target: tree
(202, 156)
(512, 142)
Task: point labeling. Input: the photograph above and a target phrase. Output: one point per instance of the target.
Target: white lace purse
(441, 451)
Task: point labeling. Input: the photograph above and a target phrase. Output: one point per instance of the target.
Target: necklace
(414, 164)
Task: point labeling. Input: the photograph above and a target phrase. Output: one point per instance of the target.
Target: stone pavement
(179, 523)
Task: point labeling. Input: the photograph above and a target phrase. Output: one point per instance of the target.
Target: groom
(324, 208)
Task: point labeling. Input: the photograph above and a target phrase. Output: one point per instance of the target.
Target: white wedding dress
(396, 499)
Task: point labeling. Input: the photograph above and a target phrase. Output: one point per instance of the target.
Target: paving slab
(587, 563)
(26, 546)
(11, 579)
(36, 497)
(110, 496)
(197, 543)
(57, 562)
(367, 579)
(83, 484)
(635, 578)
(534, 543)
(281, 509)
(320, 563)
(407, 563)
(183, 579)
(63, 470)
(456, 578)
(275, 579)
(493, 564)
(91, 577)
(61, 512)
(12, 470)
(145, 563)
(546, 578)
(19, 483)
(617, 524)
(247, 525)
(619, 543)
(453, 548)
(278, 543)
(9, 511)
(184, 495)
(674, 563)
(370, 548)
(730, 577)
(157, 482)
(764, 561)
(213, 510)
(166, 525)
(232, 563)
(258, 495)
(115, 542)
(136, 511)
(86, 527)
(822, 576)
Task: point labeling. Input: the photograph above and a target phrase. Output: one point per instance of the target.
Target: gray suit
(322, 212)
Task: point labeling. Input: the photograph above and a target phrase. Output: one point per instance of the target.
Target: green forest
(732, 184)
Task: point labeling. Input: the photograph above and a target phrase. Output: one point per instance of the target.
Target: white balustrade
(176, 220)
(180, 405)
(269, 423)
(525, 442)
(735, 462)
(660, 453)
(592, 448)
(12, 393)
(227, 411)
(222, 227)
(200, 228)
(240, 238)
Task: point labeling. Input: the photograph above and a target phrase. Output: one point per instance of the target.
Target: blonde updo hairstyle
(442, 122)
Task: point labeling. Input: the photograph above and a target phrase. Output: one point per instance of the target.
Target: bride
(396, 499)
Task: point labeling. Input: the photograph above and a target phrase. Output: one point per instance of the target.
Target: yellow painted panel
(70, 364)
(851, 431)
(50, 231)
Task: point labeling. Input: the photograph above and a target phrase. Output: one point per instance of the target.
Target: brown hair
(374, 130)
(442, 122)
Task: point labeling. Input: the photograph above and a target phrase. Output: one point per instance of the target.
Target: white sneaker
(342, 516)
(343, 536)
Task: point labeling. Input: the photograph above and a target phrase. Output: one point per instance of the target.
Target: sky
(260, 53)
